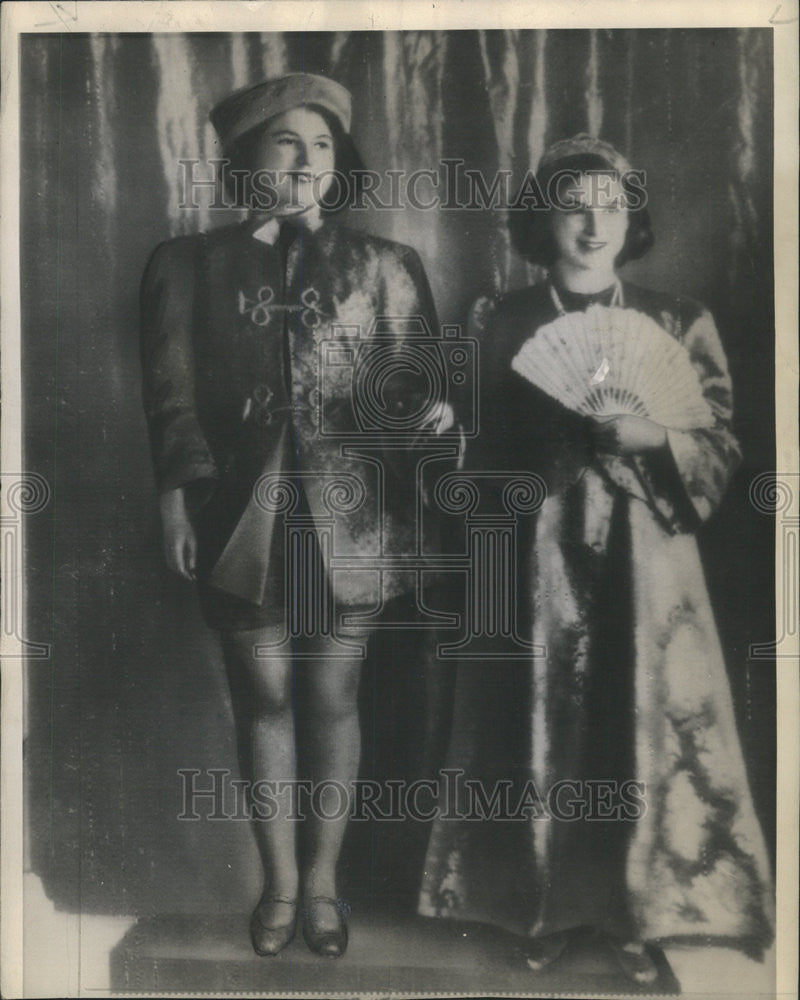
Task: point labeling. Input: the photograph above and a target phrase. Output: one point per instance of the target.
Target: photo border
(319, 15)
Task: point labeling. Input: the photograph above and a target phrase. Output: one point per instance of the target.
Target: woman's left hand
(627, 435)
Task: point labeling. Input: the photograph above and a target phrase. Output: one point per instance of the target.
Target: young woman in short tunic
(247, 430)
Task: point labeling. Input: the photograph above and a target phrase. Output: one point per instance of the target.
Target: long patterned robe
(631, 692)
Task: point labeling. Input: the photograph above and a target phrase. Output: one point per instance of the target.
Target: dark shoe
(543, 951)
(634, 960)
(330, 943)
(268, 939)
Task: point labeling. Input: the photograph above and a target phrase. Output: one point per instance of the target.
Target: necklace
(616, 298)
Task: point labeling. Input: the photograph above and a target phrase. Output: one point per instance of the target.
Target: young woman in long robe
(627, 807)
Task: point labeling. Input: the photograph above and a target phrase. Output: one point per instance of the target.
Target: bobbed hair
(243, 154)
(531, 229)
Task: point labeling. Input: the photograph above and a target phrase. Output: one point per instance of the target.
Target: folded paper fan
(615, 361)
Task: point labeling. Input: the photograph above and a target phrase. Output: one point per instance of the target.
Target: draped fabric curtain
(134, 690)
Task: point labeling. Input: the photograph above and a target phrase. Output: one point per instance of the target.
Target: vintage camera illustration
(395, 378)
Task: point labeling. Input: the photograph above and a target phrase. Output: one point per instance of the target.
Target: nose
(301, 155)
(589, 223)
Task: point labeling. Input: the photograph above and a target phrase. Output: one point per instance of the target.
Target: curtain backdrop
(134, 688)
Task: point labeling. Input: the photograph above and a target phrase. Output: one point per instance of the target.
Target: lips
(592, 245)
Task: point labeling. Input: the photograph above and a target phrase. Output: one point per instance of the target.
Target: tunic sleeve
(489, 446)
(706, 459)
(456, 393)
(460, 380)
(180, 452)
(406, 298)
(422, 288)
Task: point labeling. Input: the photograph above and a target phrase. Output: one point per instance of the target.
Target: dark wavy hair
(531, 231)
(347, 163)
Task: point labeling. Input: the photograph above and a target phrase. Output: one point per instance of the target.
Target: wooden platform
(409, 956)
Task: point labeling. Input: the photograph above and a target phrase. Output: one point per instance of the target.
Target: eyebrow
(577, 194)
(289, 131)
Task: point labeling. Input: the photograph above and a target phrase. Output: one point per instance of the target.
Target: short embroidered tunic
(251, 353)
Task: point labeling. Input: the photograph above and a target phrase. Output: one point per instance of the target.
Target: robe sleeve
(706, 459)
(181, 455)
(687, 481)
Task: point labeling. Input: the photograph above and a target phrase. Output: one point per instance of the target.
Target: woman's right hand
(626, 434)
(180, 543)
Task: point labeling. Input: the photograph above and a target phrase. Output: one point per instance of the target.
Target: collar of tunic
(269, 231)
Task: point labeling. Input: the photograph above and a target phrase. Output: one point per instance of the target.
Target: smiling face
(299, 148)
(589, 231)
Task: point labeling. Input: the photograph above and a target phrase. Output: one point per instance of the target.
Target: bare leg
(262, 693)
(334, 746)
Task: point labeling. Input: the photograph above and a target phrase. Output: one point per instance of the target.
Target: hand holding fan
(610, 361)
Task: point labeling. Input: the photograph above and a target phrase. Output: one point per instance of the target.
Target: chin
(604, 263)
(296, 206)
